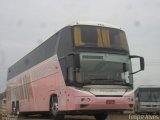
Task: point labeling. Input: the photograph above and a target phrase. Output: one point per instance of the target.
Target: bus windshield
(101, 72)
(101, 37)
(149, 95)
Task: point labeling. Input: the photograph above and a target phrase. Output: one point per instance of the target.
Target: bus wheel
(54, 109)
(100, 116)
(16, 110)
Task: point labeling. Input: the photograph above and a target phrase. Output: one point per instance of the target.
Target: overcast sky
(24, 24)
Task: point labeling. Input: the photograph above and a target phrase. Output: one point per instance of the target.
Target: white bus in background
(147, 99)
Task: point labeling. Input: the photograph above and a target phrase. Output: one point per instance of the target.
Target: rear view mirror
(142, 65)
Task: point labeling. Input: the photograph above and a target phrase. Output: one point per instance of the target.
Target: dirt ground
(110, 117)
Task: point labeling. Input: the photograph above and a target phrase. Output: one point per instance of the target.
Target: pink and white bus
(84, 68)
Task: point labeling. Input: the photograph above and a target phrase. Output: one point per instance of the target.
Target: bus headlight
(85, 99)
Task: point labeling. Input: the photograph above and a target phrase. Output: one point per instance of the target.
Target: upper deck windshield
(100, 37)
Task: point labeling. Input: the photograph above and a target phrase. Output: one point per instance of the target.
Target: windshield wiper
(103, 81)
(108, 80)
(98, 81)
(121, 81)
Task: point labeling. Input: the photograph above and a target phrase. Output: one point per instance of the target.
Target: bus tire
(15, 108)
(54, 109)
(100, 116)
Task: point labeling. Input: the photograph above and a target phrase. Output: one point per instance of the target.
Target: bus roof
(93, 23)
(149, 86)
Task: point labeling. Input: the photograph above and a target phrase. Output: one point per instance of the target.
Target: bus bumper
(102, 103)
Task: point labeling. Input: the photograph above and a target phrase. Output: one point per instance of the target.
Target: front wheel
(100, 116)
(54, 109)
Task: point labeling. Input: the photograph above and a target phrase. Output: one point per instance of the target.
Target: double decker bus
(84, 68)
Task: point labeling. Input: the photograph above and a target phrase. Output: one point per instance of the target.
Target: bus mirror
(142, 65)
(70, 74)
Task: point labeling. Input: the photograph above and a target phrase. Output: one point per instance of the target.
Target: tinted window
(144, 95)
(39, 54)
(89, 36)
(102, 37)
(115, 39)
(149, 94)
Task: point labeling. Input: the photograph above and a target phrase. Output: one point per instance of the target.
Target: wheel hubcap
(54, 108)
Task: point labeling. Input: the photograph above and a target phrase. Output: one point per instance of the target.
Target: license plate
(110, 101)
